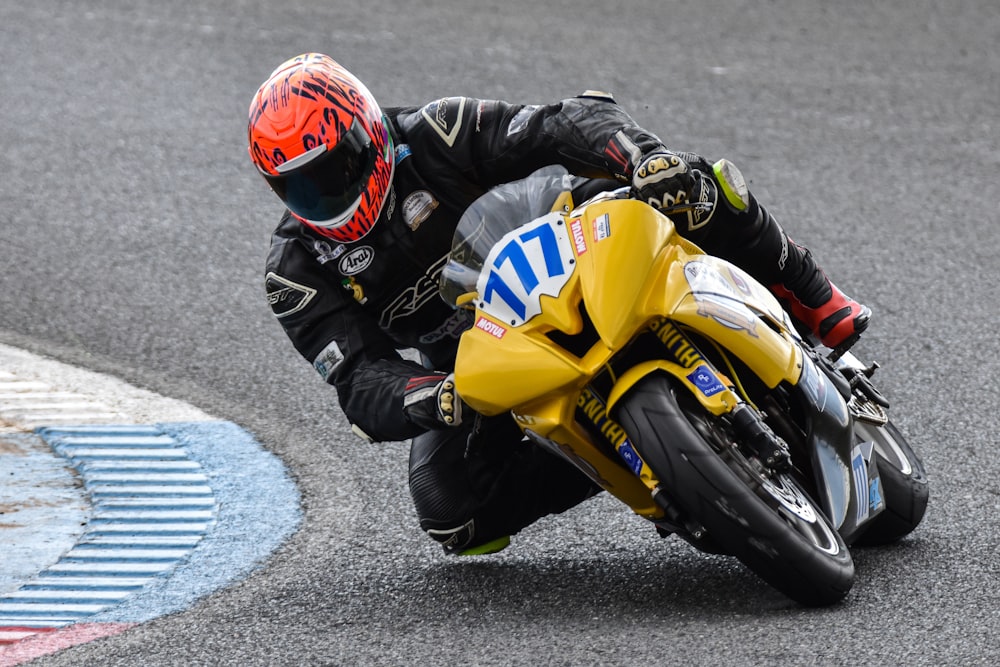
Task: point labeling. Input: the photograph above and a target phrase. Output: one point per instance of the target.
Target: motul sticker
(357, 260)
(286, 297)
(579, 242)
(491, 327)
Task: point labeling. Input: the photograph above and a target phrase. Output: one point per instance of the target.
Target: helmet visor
(328, 186)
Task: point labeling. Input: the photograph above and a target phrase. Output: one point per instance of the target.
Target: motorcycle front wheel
(767, 521)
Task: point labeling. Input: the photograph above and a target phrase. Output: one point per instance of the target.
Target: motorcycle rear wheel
(904, 484)
(766, 521)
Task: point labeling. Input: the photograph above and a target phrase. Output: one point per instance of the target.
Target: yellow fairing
(632, 273)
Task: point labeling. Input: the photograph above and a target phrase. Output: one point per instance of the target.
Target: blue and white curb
(158, 505)
(151, 505)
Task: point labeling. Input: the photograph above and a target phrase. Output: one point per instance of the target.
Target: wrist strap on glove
(431, 401)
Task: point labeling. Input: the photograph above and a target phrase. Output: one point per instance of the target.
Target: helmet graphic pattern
(311, 101)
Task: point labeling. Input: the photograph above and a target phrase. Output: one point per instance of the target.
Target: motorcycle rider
(373, 197)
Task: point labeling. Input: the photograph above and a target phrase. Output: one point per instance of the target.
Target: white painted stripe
(154, 515)
(49, 418)
(132, 453)
(99, 554)
(147, 490)
(141, 436)
(138, 477)
(60, 610)
(151, 466)
(130, 502)
(123, 569)
(39, 622)
(143, 540)
(70, 403)
(152, 506)
(21, 386)
(48, 596)
(14, 397)
(150, 528)
(80, 582)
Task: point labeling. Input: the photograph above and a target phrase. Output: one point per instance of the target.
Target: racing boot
(835, 318)
(760, 246)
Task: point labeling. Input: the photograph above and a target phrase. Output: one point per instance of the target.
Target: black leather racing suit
(348, 308)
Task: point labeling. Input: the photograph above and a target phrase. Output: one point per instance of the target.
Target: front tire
(767, 521)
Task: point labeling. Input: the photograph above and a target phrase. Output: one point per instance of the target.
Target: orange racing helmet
(319, 139)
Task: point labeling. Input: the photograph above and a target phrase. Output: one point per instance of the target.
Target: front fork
(713, 390)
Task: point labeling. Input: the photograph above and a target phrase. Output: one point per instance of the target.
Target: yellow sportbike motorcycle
(677, 383)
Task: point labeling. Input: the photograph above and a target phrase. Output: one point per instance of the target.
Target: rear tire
(904, 485)
(768, 522)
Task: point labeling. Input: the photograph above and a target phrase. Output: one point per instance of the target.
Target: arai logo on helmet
(357, 260)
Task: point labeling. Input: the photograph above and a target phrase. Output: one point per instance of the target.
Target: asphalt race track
(134, 231)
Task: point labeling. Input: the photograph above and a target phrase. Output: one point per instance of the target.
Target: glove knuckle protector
(662, 179)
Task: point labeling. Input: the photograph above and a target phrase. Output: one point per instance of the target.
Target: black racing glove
(663, 179)
(431, 401)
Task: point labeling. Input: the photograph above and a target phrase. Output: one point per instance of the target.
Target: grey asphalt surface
(134, 231)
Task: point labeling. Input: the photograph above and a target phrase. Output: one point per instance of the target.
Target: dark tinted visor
(327, 186)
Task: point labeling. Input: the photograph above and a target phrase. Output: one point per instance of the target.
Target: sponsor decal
(602, 227)
(860, 471)
(783, 257)
(324, 253)
(402, 152)
(454, 539)
(706, 381)
(874, 495)
(527, 263)
(576, 231)
(328, 360)
(695, 219)
(286, 297)
(631, 457)
(491, 327)
(594, 408)
(445, 117)
(357, 260)
(411, 299)
(391, 206)
(721, 299)
(676, 343)
(352, 286)
(417, 207)
(740, 283)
